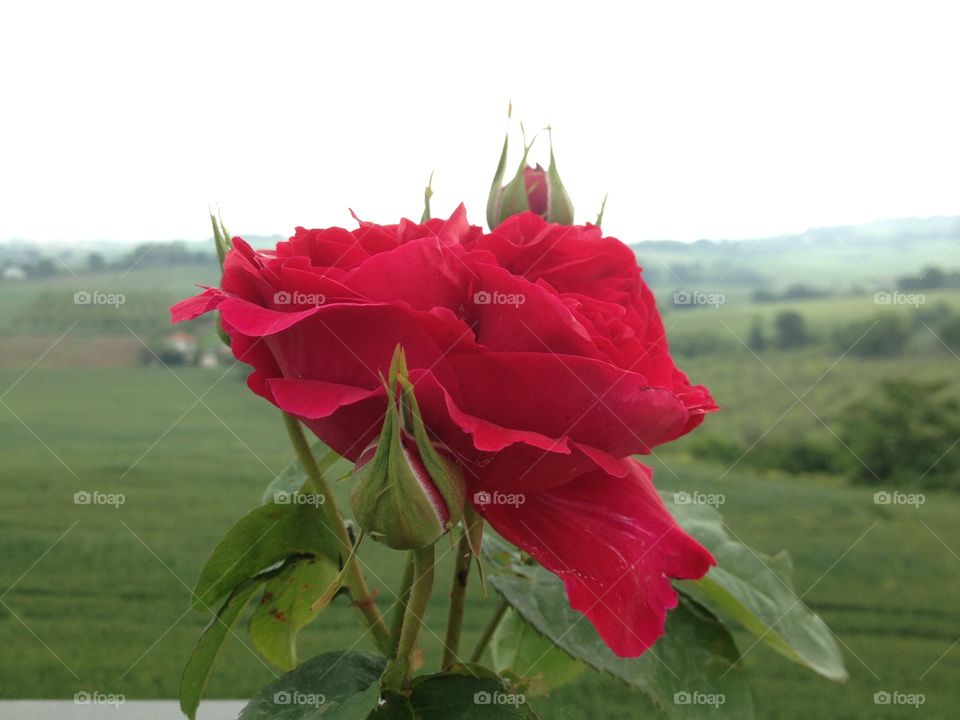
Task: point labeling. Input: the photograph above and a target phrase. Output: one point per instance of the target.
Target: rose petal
(556, 395)
(196, 306)
(614, 545)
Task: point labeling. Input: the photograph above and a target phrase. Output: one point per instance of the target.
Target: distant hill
(836, 258)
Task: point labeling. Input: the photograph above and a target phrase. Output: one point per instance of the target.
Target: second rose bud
(531, 189)
(408, 491)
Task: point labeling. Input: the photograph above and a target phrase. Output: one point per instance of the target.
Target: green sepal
(427, 194)
(603, 207)
(559, 205)
(388, 498)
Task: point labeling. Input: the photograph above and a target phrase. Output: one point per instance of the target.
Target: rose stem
(361, 595)
(488, 631)
(472, 528)
(398, 669)
(399, 608)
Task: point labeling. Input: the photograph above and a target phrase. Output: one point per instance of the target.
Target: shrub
(884, 335)
(791, 330)
(905, 434)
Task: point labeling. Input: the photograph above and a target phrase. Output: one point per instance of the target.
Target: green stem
(359, 591)
(488, 631)
(397, 672)
(400, 607)
(469, 539)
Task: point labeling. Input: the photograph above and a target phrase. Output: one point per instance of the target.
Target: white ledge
(126, 710)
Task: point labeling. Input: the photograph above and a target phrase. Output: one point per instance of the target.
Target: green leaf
(757, 591)
(466, 692)
(393, 707)
(197, 671)
(465, 696)
(286, 608)
(517, 647)
(345, 686)
(335, 686)
(267, 535)
(696, 654)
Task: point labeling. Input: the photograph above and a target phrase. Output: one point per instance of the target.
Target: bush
(698, 344)
(757, 340)
(716, 447)
(885, 335)
(795, 455)
(905, 434)
(948, 331)
(791, 330)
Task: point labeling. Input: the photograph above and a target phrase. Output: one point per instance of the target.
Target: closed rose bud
(531, 189)
(535, 182)
(221, 242)
(408, 491)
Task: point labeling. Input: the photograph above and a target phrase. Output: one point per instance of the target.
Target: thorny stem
(488, 631)
(397, 673)
(399, 609)
(472, 528)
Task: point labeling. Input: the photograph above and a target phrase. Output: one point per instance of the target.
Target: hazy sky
(713, 119)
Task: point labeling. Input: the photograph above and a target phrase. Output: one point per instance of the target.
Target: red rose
(537, 356)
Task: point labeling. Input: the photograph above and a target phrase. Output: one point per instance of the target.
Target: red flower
(538, 357)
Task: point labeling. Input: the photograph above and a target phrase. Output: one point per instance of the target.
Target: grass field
(47, 304)
(770, 398)
(110, 598)
(731, 321)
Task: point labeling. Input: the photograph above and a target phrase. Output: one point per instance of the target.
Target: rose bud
(531, 189)
(407, 490)
(221, 242)
(535, 183)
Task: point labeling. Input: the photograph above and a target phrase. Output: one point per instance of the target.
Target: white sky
(713, 119)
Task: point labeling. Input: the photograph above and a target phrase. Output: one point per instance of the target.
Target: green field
(110, 598)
